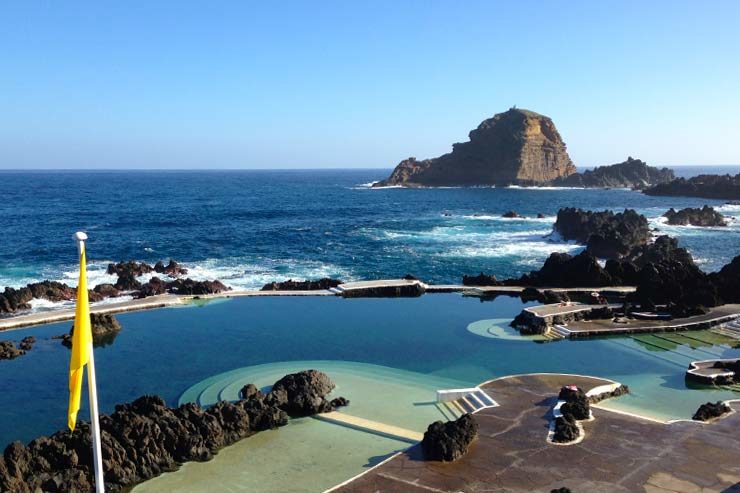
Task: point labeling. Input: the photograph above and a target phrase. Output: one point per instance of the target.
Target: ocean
(248, 228)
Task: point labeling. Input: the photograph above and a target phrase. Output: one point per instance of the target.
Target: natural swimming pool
(386, 355)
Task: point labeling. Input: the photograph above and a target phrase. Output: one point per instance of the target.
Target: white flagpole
(93, 396)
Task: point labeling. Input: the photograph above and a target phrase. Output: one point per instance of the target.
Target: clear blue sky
(360, 84)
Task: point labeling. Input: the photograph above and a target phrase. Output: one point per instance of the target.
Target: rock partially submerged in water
(725, 187)
(191, 287)
(172, 269)
(303, 394)
(605, 234)
(511, 215)
(565, 270)
(105, 327)
(8, 350)
(711, 410)
(291, 285)
(515, 147)
(481, 280)
(449, 441)
(704, 217)
(632, 173)
(13, 299)
(140, 440)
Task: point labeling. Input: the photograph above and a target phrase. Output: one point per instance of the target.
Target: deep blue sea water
(250, 227)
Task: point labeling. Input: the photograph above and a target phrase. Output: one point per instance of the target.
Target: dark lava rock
(605, 234)
(191, 287)
(12, 299)
(621, 390)
(127, 282)
(727, 281)
(403, 291)
(449, 441)
(711, 410)
(706, 186)
(552, 297)
(27, 343)
(705, 216)
(566, 429)
(567, 271)
(303, 393)
(409, 277)
(105, 328)
(291, 285)
(8, 350)
(600, 313)
(540, 215)
(481, 280)
(130, 268)
(510, 215)
(516, 147)
(106, 290)
(632, 173)
(576, 402)
(172, 269)
(140, 440)
(154, 287)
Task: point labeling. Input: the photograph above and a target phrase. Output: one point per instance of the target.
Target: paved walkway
(716, 315)
(620, 453)
(371, 426)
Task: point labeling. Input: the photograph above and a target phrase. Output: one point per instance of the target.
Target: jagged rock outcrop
(566, 429)
(12, 299)
(172, 269)
(106, 290)
(105, 327)
(130, 268)
(511, 215)
(449, 441)
(140, 440)
(291, 285)
(725, 187)
(153, 287)
(302, 394)
(517, 147)
(727, 281)
(605, 234)
(566, 271)
(481, 280)
(410, 290)
(190, 287)
(632, 173)
(711, 410)
(8, 349)
(705, 216)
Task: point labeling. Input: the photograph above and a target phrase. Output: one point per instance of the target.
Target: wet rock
(725, 187)
(705, 217)
(127, 282)
(105, 327)
(540, 215)
(515, 147)
(106, 290)
(12, 300)
(191, 287)
(449, 441)
(710, 411)
(8, 350)
(605, 234)
(154, 287)
(510, 215)
(481, 280)
(27, 343)
(130, 268)
(291, 285)
(567, 271)
(632, 173)
(172, 269)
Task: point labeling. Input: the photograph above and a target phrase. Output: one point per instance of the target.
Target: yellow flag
(81, 344)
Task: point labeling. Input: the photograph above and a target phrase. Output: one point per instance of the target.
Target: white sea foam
(489, 217)
(526, 250)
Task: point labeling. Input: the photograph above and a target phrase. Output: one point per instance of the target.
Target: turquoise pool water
(387, 355)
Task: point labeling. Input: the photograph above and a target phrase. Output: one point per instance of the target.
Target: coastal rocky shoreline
(145, 438)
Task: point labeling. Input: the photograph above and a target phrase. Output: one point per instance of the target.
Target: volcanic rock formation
(705, 216)
(517, 147)
(725, 187)
(105, 327)
(632, 173)
(291, 285)
(141, 440)
(605, 234)
(449, 441)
